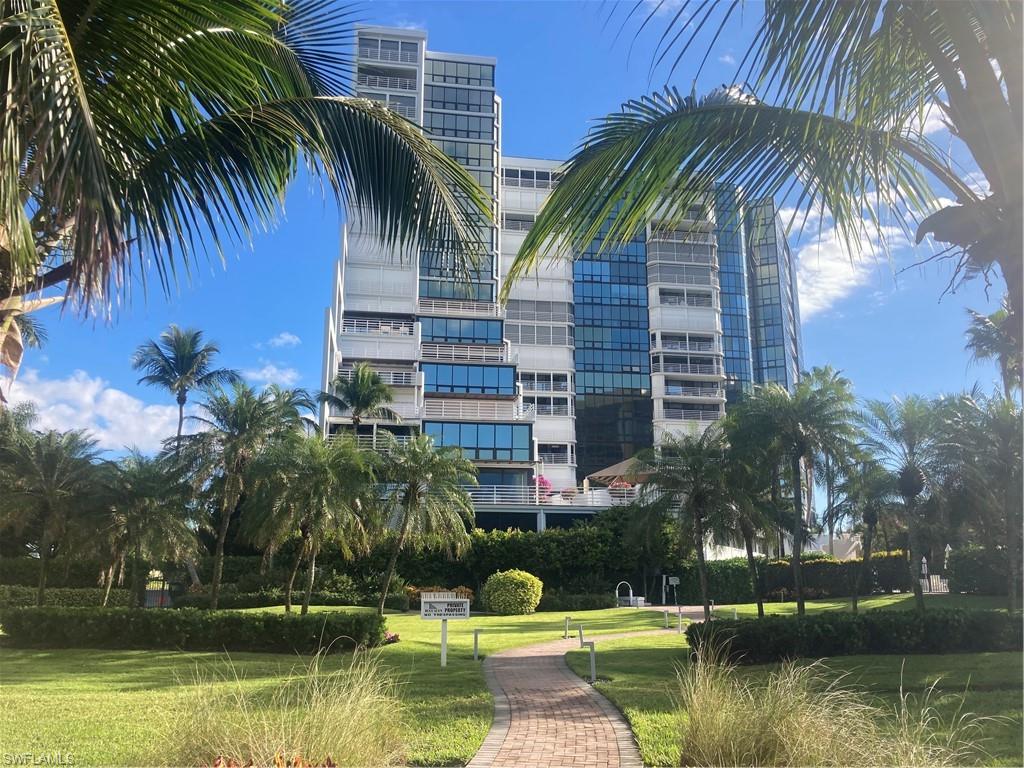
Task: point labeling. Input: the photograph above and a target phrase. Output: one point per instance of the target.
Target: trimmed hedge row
(18, 596)
(269, 597)
(189, 629)
(978, 571)
(775, 638)
(60, 572)
(562, 601)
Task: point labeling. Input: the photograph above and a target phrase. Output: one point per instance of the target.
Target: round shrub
(512, 592)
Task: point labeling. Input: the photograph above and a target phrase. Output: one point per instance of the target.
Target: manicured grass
(106, 707)
(895, 602)
(639, 676)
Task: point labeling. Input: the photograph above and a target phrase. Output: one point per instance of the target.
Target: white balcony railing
(376, 327)
(390, 83)
(474, 410)
(675, 414)
(712, 392)
(690, 346)
(404, 411)
(460, 308)
(404, 110)
(378, 55)
(553, 410)
(697, 369)
(599, 498)
(391, 378)
(380, 442)
(545, 386)
(470, 353)
(556, 458)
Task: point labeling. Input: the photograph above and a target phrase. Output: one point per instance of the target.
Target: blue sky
(559, 66)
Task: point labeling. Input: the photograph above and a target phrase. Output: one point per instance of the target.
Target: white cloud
(269, 373)
(727, 58)
(664, 7)
(284, 339)
(827, 274)
(116, 419)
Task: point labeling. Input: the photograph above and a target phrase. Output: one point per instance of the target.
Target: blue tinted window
(456, 331)
(469, 379)
(485, 442)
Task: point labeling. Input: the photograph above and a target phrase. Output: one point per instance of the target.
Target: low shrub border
(17, 597)
(274, 597)
(774, 638)
(188, 629)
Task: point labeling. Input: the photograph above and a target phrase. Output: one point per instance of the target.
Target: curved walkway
(547, 717)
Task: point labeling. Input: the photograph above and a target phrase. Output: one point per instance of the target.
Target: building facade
(594, 357)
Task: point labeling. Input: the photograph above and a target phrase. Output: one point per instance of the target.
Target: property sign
(673, 581)
(443, 605)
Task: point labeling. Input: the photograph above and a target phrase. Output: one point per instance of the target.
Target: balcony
(405, 412)
(375, 327)
(697, 369)
(557, 458)
(544, 386)
(476, 410)
(677, 414)
(600, 498)
(405, 111)
(689, 346)
(554, 410)
(407, 57)
(467, 353)
(387, 82)
(381, 441)
(712, 393)
(453, 308)
(391, 378)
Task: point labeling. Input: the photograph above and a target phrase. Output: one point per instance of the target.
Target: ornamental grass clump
(345, 715)
(797, 716)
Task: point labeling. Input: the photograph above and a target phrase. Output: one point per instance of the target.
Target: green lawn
(638, 675)
(896, 602)
(106, 707)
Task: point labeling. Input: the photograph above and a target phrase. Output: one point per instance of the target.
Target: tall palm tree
(833, 117)
(362, 394)
(236, 427)
(817, 416)
(141, 132)
(688, 477)
(903, 435)
(178, 362)
(148, 517)
(426, 502)
(323, 489)
(989, 337)
(46, 479)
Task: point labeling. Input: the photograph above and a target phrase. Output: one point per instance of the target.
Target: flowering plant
(390, 637)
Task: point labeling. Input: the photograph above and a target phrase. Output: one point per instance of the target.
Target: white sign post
(443, 606)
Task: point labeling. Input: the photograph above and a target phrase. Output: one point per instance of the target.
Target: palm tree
(322, 488)
(47, 479)
(362, 394)
(903, 435)
(148, 517)
(236, 428)
(426, 503)
(989, 337)
(688, 477)
(834, 118)
(817, 416)
(158, 131)
(180, 362)
(983, 446)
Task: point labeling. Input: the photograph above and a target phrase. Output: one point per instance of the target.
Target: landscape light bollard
(593, 661)
(580, 628)
(476, 644)
(444, 642)
(735, 614)
(666, 619)
(680, 629)
(565, 634)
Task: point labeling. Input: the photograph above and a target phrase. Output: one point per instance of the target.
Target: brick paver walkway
(547, 717)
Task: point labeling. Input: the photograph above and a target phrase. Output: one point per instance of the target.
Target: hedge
(189, 629)
(978, 571)
(267, 598)
(774, 638)
(60, 572)
(561, 601)
(16, 596)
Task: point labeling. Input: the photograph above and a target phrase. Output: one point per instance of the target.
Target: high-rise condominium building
(594, 357)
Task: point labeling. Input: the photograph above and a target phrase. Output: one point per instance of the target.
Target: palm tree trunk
(291, 579)
(913, 555)
(798, 525)
(310, 575)
(702, 566)
(110, 583)
(44, 561)
(755, 574)
(265, 561)
(222, 535)
(393, 561)
(829, 500)
(138, 599)
(1013, 553)
(182, 397)
(775, 491)
(864, 576)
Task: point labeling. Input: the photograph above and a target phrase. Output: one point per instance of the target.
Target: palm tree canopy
(140, 131)
(989, 337)
(430, 484)
(362, 393)
(903, 434)
(833, 117)
(181, 361)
